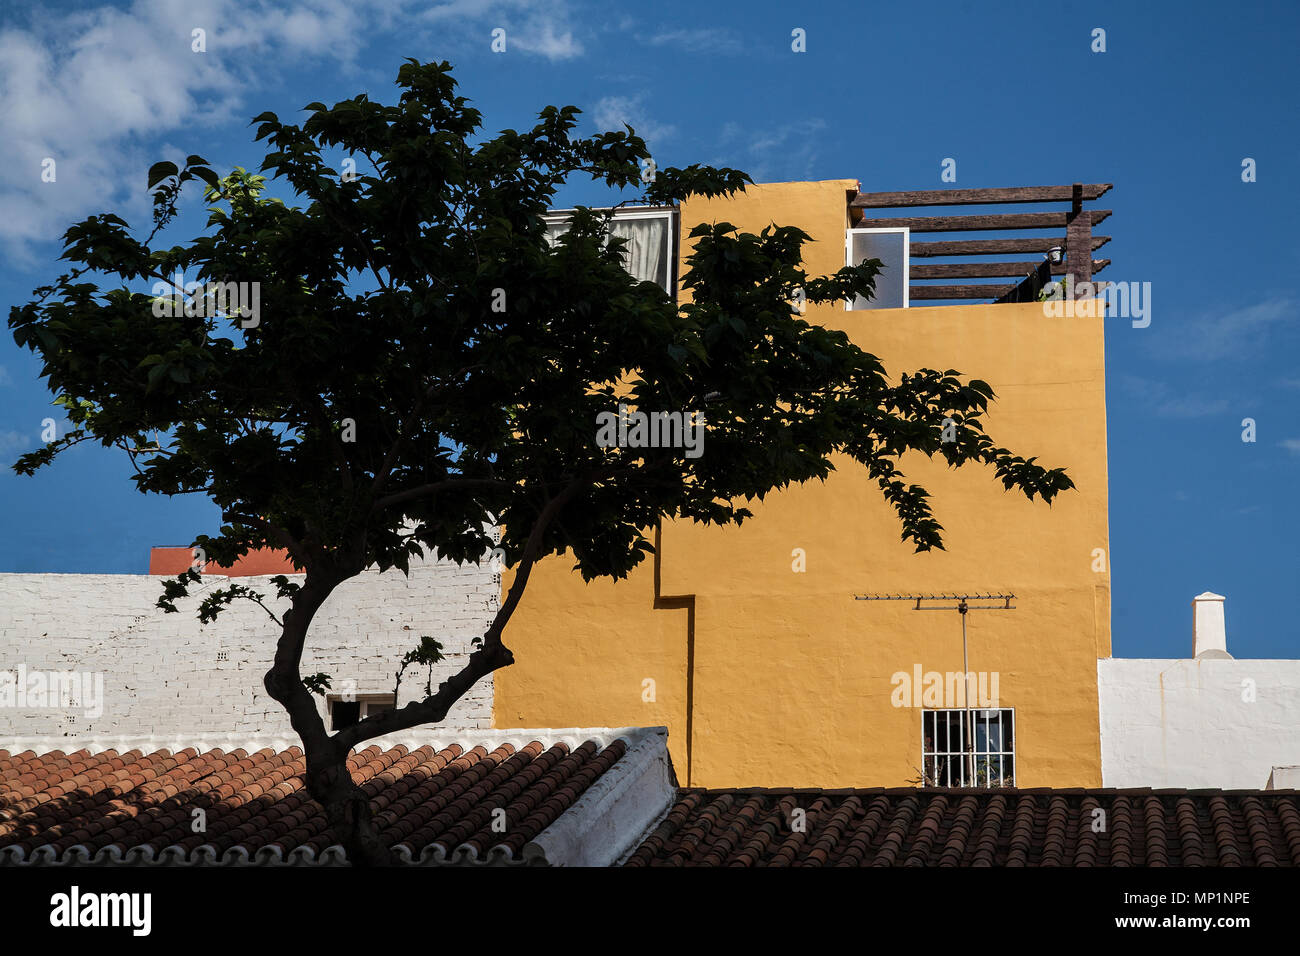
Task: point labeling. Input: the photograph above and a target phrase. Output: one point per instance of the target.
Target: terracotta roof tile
(937, 827)
(421, 798)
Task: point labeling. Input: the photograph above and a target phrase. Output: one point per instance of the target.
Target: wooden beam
(991, 270)
(991, 290)
(992, 247)
(1078, 235)
(972, 197)
(1015, 220)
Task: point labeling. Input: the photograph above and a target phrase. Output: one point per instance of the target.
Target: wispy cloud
(546, 29)
(611, 112)
(5, 378)
(12, 441)
(1291, 444)
(1233, 333)
(784, 152)
(1166, 402)
(715, 40)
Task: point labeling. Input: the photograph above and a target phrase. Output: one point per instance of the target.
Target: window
(345, 713)
(969, 748)
(893, 248)
(651, 244)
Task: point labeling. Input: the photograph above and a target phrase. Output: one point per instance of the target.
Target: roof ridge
(433, 736)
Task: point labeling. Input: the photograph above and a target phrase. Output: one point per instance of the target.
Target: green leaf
(207, 175)
(155, 376)
(160, 171)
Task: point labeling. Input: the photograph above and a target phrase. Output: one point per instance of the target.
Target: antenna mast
(925, 602)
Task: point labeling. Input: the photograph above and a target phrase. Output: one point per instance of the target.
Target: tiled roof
(940, 827)
(433, 803)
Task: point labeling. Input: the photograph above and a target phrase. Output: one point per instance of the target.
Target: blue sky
(1183, 93)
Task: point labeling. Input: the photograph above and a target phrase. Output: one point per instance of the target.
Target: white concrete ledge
(608, 821)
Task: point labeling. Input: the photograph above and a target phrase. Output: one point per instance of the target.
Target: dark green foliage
(380, 407)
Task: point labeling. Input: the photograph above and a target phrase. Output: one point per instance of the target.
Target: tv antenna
(926, 602)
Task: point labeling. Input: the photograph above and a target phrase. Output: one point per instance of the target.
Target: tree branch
(491, 656)
(276, 533)
(424, 491)
(284, 680)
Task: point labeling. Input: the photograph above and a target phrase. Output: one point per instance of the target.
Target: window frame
(670, 213)
(1006, 780)
(906, 232)
(365, 701)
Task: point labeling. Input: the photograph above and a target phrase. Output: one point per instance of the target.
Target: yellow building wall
(779, 677)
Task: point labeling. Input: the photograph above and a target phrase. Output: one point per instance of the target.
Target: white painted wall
(162, 674)
(1191, 723)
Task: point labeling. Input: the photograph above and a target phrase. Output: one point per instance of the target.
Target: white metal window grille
(968, 748)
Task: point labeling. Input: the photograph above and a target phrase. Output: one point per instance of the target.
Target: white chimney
(1211, 636)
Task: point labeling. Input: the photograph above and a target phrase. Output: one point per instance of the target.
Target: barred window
(968, 748)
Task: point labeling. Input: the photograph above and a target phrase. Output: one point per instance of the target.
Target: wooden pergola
(1076, 245)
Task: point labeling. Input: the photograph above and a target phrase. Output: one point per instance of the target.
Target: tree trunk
(328, 781)
(347, 808)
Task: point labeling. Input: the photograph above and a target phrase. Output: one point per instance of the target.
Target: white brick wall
(162, 673)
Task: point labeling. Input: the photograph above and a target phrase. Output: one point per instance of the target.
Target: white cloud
(546, 39)
(611, 112)
(1165, 402)
(12, 441)
(5, 378)
(705, 40)
(93, 89)
(541, 28)
(87, 88)
(1234, 333)
(731, 130)
(785, 152)
(1291, 444)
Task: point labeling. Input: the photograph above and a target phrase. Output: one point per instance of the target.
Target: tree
(413, 364)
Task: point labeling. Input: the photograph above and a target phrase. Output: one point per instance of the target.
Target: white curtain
(554, 230)
(643, 253)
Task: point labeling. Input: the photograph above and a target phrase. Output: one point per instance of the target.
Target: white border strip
(433, 737)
